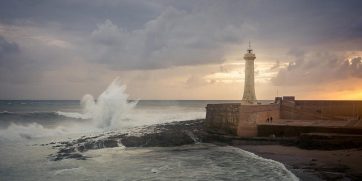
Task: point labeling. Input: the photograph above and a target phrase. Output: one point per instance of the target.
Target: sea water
(26, 125)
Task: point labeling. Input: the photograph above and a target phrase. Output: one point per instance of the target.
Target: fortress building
(283, 117)
(249, 89)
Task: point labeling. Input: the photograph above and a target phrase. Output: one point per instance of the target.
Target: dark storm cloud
(38, 36)
(25, 62)
(80, 15)
(174, 38)
(13, 64)
(158, 34)
(7, 47)
(315, 21)
(8, 52)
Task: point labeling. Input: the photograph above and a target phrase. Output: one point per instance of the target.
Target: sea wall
(252, 115)
(237, 119)
(222, 118)
(243, 120)
(320, 109)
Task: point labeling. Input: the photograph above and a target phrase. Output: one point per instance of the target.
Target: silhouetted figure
(271, 119)
(267, 120)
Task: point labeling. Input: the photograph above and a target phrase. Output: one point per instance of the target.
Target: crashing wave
(74, 115)
(45, 115)
(111, 107)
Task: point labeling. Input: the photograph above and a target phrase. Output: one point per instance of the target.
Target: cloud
(12, 63)
(275, 66)
(318, 68)
(82, 44)
(8, 52)
(174, 38)
(195, 81)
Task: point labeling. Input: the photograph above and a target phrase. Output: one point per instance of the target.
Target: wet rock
(117, 136)
(109, 143)
(89, 145)
(133, 141)
(161, 135)
(81, 148)
(163, 139)
(67, 150)
(77, 156)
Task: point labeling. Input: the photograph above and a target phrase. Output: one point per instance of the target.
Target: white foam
(111, 108)
(287, 172)
(69, 170)
(75, 115)
(110, 111)
(34, 130)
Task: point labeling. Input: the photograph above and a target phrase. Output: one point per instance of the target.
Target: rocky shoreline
(160, 135)
(191, 132)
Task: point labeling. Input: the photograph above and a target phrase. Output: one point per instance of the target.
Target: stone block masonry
(223, 118)
(290, 117)
(238, 119)
(320, 109)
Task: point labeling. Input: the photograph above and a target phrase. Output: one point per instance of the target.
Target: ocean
(28, 126)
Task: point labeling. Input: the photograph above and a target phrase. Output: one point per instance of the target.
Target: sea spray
(111, 107)
(33, 130)
(109, 111)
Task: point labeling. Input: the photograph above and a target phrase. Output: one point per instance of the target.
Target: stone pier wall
(320, 109)
(252, 115)
(223, 118)
(237, 119)
(242, 120)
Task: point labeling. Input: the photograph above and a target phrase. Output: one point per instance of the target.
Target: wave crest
(111, 107)
(74, 115)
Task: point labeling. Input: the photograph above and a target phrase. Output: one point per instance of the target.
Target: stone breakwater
(191, 132)
(160, 135)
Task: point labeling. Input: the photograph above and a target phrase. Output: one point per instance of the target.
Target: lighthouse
(249, 89)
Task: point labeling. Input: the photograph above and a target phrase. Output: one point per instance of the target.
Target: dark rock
(69, 144)
(163, 139)
(133, 141)
(77, 156)
(81, 148)
(162, 135)
(117, 136)
(67, 150)
(109, 143)
(89, 145)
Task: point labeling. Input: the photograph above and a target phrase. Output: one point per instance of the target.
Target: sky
(171, 49)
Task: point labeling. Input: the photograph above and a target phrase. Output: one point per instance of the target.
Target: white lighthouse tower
(249, 89)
